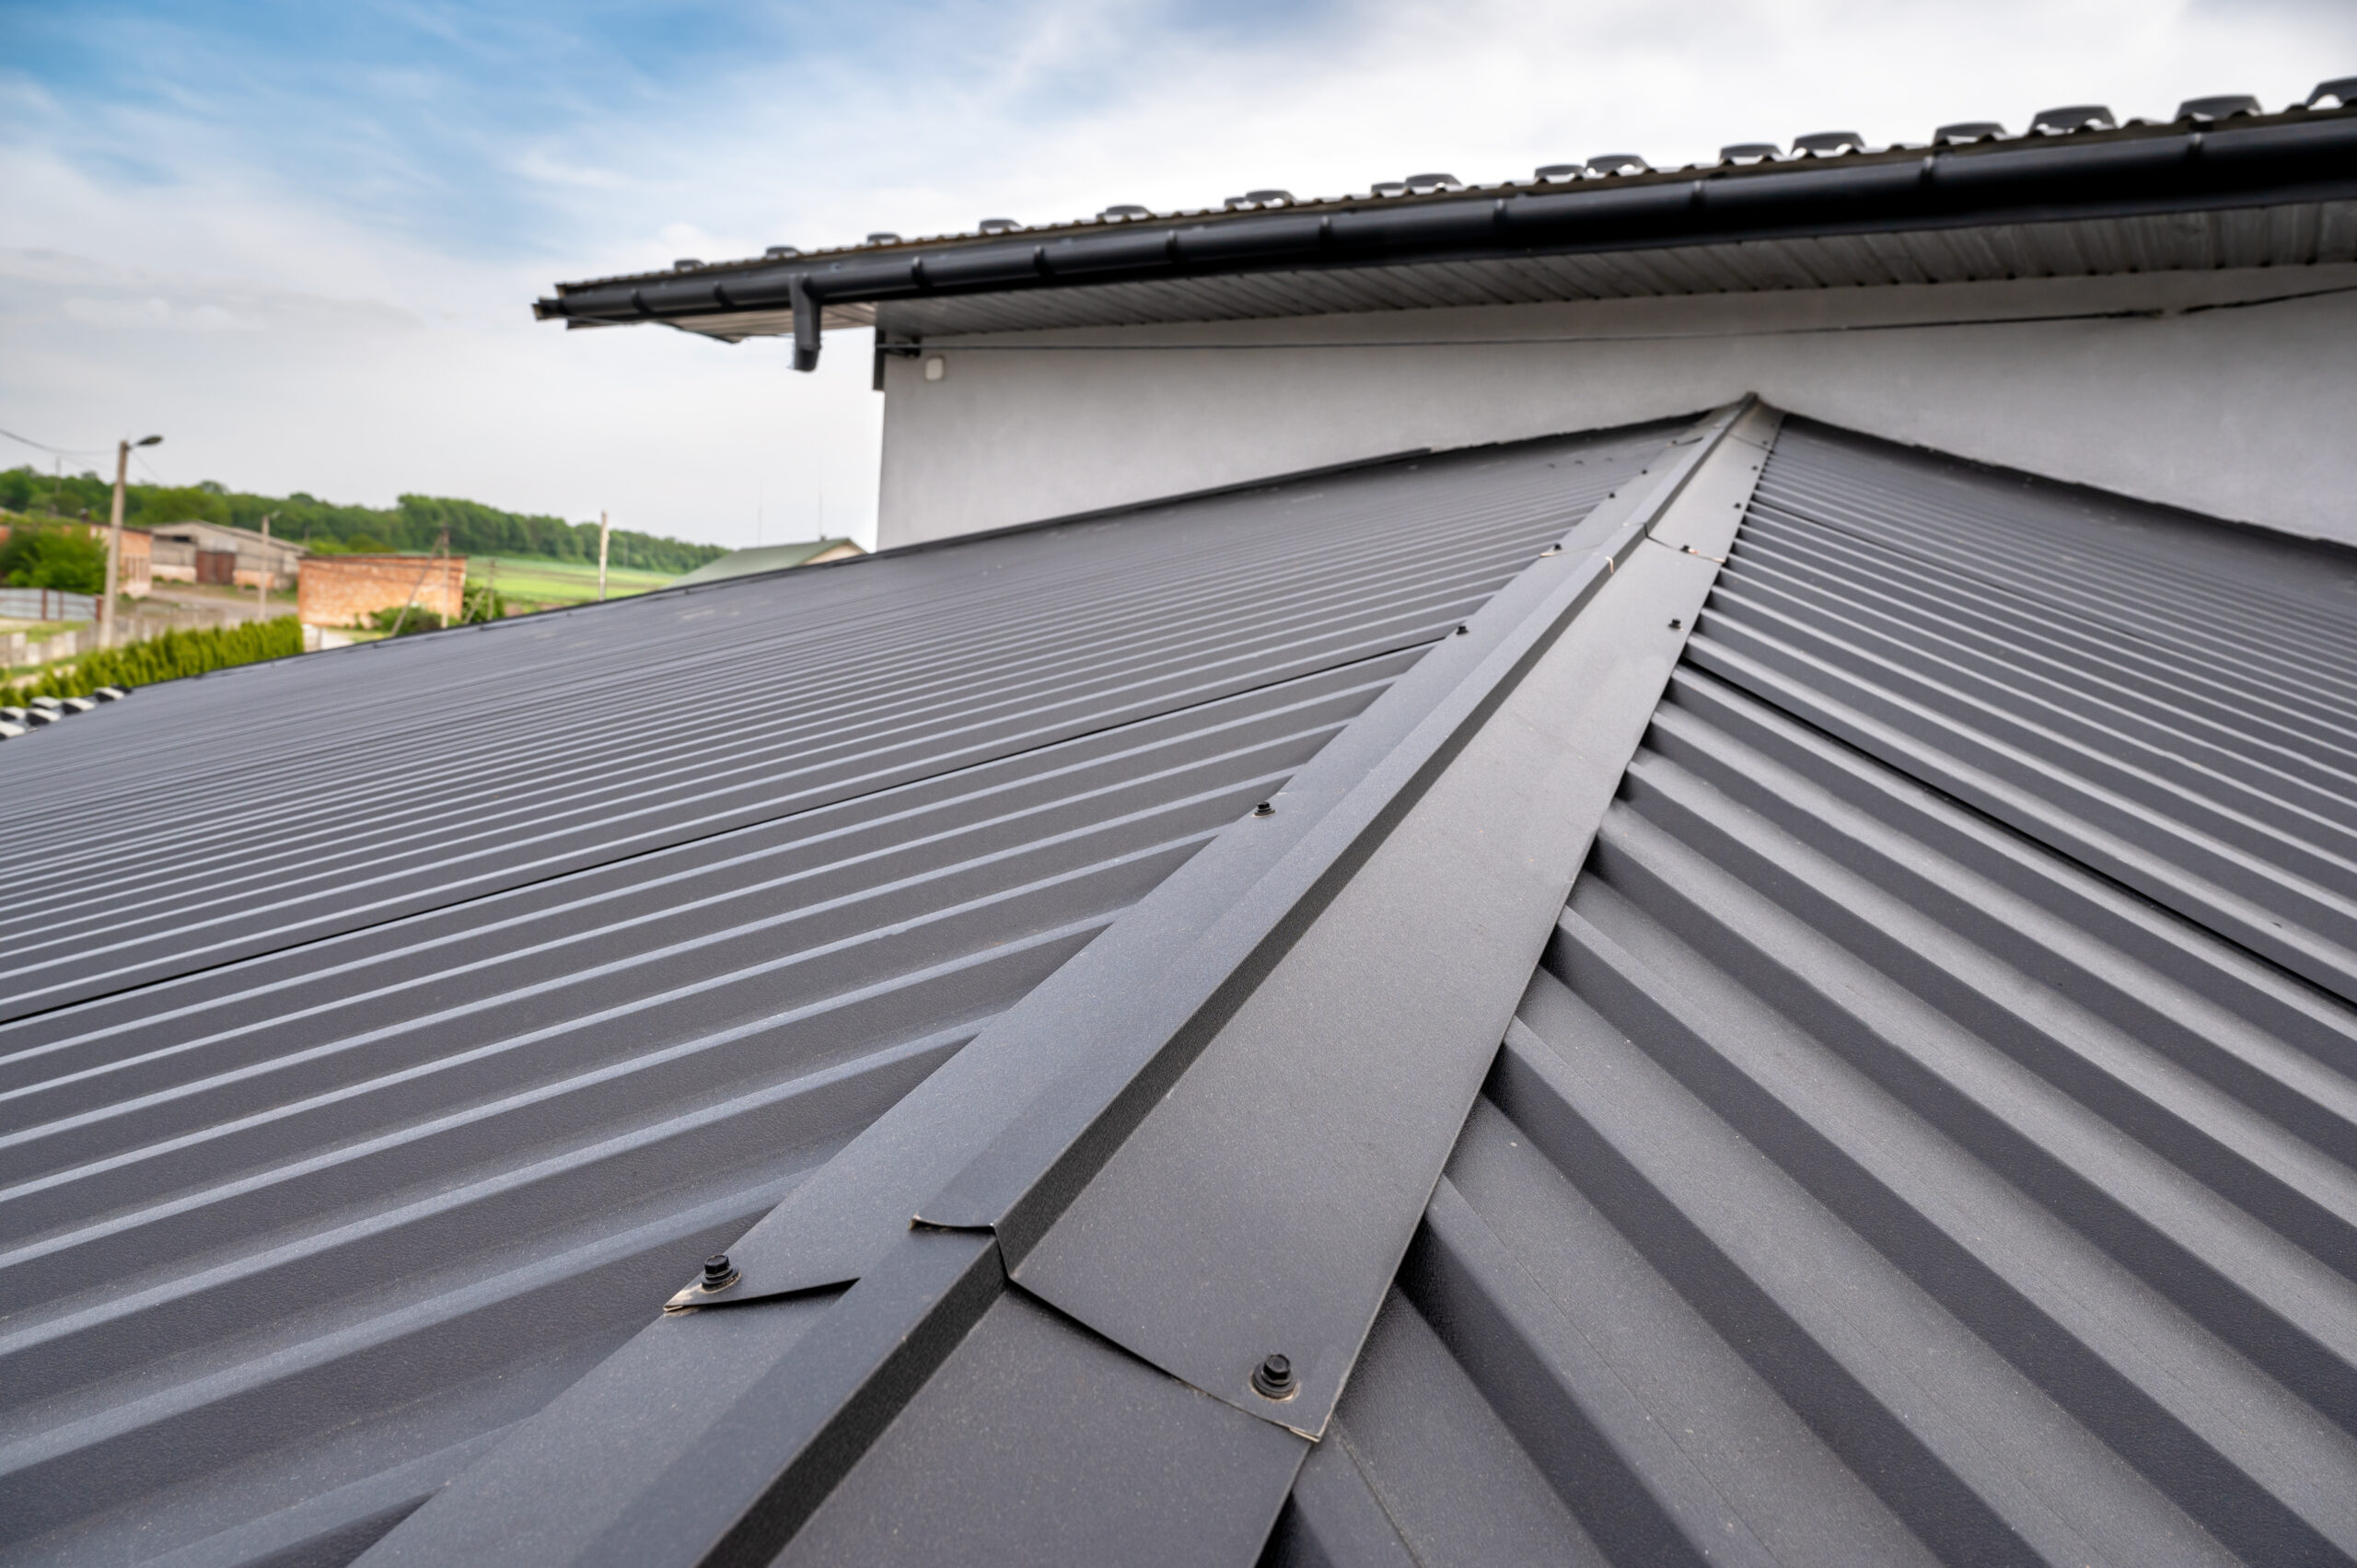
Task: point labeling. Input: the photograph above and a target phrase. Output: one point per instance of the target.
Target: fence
(47, 604)
(138, 623)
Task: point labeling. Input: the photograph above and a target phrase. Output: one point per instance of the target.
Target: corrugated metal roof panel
(2165, 700)
(288, 1235)
(1867, 1177)
(488, 757)
(1932, 1134)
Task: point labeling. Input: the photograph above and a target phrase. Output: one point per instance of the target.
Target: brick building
(345, 590)
(135, 573)
(240, 557)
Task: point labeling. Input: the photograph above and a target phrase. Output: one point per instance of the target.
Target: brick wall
(345, 590)
(133, 568)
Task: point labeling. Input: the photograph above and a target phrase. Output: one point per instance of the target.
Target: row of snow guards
(2066, 119)
(2133, 171)
(2072, 119)
(41, 712)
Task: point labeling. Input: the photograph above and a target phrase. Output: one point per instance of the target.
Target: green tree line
(69, 559)
(415, 524)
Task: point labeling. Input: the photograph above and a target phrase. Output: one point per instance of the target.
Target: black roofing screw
(1273, 1379)
(1462, 630)
(1673, 625)
(1265, 809)
(718, 1274)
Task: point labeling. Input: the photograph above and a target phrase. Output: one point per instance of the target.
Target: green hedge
(168, 657)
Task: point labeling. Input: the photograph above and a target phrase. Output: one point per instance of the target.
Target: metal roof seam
(1123, 1229)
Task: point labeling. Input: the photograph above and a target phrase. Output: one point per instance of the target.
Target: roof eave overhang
(2307, 159)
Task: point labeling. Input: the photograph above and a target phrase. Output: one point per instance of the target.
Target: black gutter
(2303, 158)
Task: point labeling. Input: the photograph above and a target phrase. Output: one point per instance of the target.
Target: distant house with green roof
(770, 558)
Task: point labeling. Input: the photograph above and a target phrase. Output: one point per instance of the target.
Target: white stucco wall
(2242, 412)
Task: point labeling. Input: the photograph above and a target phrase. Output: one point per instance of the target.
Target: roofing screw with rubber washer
(1265, 809)
(1462, 630)
(718, 1273)
(1273, 1379)
(1673, 625)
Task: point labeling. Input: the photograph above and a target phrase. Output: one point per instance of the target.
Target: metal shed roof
(1874, 1173)
(368, 1084)
(2203, 193)
(1900, 1152)
(484, 760)
(1925, 1134)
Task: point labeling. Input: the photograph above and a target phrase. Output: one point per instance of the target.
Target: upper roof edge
(1737, 162)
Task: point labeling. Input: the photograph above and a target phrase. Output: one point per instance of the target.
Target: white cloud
(152, 312)
(540, 165)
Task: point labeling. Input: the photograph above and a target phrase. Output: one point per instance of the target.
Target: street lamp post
(114, 535)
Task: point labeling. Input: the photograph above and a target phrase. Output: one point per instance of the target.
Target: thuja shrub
(167, 657)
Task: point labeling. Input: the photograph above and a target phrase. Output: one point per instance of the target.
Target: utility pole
(261, 590)
(114, 535)
(603, 532)
(441, 551)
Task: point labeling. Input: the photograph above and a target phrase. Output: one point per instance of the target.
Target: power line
(59, 451)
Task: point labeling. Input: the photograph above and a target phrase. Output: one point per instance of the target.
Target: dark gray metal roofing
(859, 1336)
(1930, 1135)
(425, 1011)
(1401, 195)
(360, 786)
(2132, 199)
(1902, 1153)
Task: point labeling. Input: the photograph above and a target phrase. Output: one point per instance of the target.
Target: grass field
(531, 580)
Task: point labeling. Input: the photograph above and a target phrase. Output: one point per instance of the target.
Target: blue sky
(302, 241)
